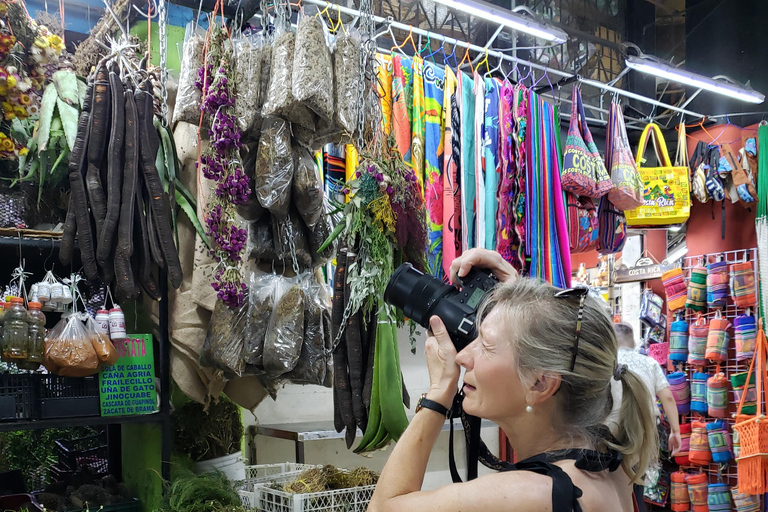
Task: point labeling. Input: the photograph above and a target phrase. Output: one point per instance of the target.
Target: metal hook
(45, 263)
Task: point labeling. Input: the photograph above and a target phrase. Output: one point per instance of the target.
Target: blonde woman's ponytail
(638, 439)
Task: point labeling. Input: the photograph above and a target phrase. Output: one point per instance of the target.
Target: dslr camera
(420, 296)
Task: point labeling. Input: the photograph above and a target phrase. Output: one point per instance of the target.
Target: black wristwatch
(425, 403)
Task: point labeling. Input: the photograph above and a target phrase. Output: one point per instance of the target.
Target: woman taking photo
(541, 368)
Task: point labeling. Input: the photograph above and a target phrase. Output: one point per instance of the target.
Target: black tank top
(565, 494)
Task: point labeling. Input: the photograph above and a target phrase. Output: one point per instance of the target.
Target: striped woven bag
(678, 341)
(717, 285)
(679, 499)
(697, 289)
(743, 284)
(719, 441)
(697, 491)
(719, 498)
(697, 342)
(699, 454)
(718, 339)
(745, 502)
(681, 457)
(717, 396)
(750, 402)
(745, 334)
(699, 392)
(678, 384)
(674, 285)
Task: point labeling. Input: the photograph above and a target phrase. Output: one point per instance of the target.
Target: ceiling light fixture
(493, 14)
(676, 253)
(665, 70)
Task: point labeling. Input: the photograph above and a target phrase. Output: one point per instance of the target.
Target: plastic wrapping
(223, 344)
(317, 238)
(313, 69)
(69, 350)
(252, 209)
(307, 188)
(291, 240)
(311, 367)
(274, 167)
(189, 97)
(248, 79)
(266, 72)
(285, 333)
(261, 241)
(280, 100)
(262, 293)
(347, 77)
(101, 343)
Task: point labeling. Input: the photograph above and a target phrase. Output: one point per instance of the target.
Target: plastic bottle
(116, 324)
(15, 330)
(36, 345)
(102, 321)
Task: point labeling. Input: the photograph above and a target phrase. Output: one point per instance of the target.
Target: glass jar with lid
(36, 344)
(15, 330)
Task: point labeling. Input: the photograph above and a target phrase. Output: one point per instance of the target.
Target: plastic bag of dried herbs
(280, 100)
(274, 167)
(223, 344)
(247, 52)
(313, 68)
(307, 187)
(317, 238)
(260, 245)
(261, 301)
(266, 69)
(189, 97)
(285, 332)
(311, 367)
(252, 209)
(291, 242)
(347, 78)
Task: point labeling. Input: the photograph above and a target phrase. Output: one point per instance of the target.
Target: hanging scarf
(334, 164)
(434, 79)
(468, 187)
(479, 161)
(520, 114)
(507, 240)
(418, 119)
(402, 92)
(451, 169)
(384, 89)
(492, 160)
(548, 244)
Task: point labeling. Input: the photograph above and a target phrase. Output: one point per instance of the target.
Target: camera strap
(476, 448)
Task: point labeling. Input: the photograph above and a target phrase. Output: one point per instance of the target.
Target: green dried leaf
(47, 106)
(66, 85)
(69, 116)
(190, 211)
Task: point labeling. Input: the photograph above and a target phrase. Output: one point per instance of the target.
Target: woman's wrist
(443, 396)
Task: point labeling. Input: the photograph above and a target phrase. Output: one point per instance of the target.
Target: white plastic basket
(355, 499)
(267, 473)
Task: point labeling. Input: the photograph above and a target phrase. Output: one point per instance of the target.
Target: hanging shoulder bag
(584, 172)
(627, 191)
(666, 197)
(582, 223)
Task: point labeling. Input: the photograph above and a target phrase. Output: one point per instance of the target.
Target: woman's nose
(464, 358)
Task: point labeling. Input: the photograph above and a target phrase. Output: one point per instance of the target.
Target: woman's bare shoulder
(515, 490)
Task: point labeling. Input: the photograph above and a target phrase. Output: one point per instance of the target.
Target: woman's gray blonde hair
(543, 333)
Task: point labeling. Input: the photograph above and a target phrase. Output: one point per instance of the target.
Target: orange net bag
(753, 430)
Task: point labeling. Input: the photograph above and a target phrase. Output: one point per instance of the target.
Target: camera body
(420, 296)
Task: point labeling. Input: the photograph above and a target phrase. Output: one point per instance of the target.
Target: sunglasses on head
(581, 294)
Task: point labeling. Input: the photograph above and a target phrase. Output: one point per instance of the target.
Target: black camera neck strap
(476, 448)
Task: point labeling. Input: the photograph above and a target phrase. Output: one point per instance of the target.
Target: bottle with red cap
(15, 331)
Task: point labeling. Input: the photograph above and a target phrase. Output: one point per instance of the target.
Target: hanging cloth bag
(678, 385)
(699, 454)
(582, 223)
(667, 198)
(627, 191)
(697, 491)
(697, 343)
(674, 285)
(717, 396)
(697, 289)
(745, 333)
(718, 339)
(743, 284)
(753, 430)
(650, 308)
(584, 172)
(717, 285)
(699, 393)
(719, 498)
(612, 227)
(678, 492)
(745, 502)
(738, 381)
(698, 164)
(678, 341)
(720, 441)
(681, 457)
(745, 189)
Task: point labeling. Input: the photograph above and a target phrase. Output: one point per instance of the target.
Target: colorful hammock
(434, 79)
(468, 187)
(479, 161)
(492, 160)
(418, 118)
(507, 241)
(402, 91)
(451, 173)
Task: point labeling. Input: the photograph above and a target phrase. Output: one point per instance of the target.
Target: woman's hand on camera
(485, 259)
(441, 361)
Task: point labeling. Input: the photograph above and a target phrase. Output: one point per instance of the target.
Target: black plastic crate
(17, 397)
(88, 452)
(66, 397)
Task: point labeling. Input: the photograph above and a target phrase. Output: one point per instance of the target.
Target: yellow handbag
(666, 193)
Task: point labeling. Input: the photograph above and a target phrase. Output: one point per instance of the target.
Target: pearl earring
(528, 409)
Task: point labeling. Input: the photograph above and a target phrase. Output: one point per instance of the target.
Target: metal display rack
(39, 250)
(726, 474)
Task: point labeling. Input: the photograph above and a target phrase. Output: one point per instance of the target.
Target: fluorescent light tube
(677, 253)
(515, 21)
(669, 72)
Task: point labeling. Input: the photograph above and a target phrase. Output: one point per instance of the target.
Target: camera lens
(415, 293)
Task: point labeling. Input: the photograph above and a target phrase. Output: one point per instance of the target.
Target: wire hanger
(496, 69)
(427, 46)
(451, 56)
(467, 60)
(511, 72)
(400, 47)
(441, 49)
(484, 61)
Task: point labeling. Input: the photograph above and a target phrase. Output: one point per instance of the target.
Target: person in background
(654, 379)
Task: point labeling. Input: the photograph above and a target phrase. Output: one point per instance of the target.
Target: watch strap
(425, 403)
